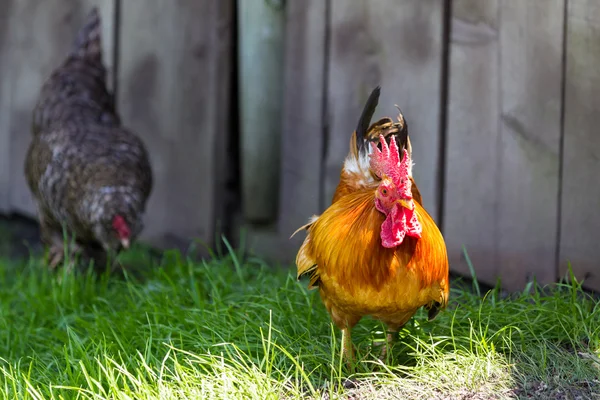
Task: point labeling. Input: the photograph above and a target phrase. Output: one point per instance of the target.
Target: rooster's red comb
(387, 161)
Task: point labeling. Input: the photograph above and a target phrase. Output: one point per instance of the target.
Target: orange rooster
(376, 251)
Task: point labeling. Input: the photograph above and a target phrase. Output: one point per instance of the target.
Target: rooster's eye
(384, 192)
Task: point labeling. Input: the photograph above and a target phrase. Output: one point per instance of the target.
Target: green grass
(228, 328)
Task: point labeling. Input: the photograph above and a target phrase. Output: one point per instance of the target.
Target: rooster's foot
(390, 339)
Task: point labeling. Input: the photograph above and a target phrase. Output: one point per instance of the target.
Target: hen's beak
(406, 203)
(125, 243)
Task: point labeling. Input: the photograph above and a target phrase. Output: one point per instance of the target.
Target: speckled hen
(87, 173)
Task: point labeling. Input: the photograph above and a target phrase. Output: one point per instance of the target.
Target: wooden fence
(502, 99)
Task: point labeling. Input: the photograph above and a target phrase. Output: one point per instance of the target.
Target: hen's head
(394, 197)
(116, 221)
(122, 230)
(115, 231)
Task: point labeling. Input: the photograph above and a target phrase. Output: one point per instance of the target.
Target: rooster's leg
(392, 334)
(349, 321)
(390, 338)
(345, 323)
(348, 347)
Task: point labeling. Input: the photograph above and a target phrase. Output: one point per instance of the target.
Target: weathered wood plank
(174, 76)
(41, 35)
(260, 70)
(530, 132)
(473, 106)
(5, 89)
(302, 141)
(503, 139)
(397, 44)
(581, 151)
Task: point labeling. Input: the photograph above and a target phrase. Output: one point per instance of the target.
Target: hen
(87, 173)
(376, 251)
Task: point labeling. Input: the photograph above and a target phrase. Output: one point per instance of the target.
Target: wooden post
(306, 37)
(303, 105)
(260, 57)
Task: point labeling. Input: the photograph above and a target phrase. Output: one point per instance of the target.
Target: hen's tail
(76, 93)
(88, 43)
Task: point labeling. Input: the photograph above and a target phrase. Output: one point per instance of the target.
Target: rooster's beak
(125, 243)
(406, 204)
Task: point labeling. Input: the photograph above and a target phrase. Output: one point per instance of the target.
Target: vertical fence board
(503, 139)
(530, 131)
(397, 44)
(174, 76)
(472, 136)
(260, 71)
(41, 33)
(5, 88)
(305, 50)
(581, 152)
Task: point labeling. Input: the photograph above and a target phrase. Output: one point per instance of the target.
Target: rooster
(376, 251)
(87, 173)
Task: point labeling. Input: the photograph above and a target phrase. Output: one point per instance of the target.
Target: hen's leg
(57, 255)
(53, 240)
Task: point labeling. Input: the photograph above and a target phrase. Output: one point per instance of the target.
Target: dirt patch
(365, 390)
(534, 390)
(575, 391)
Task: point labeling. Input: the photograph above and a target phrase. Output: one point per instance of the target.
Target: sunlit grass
(232, 327)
